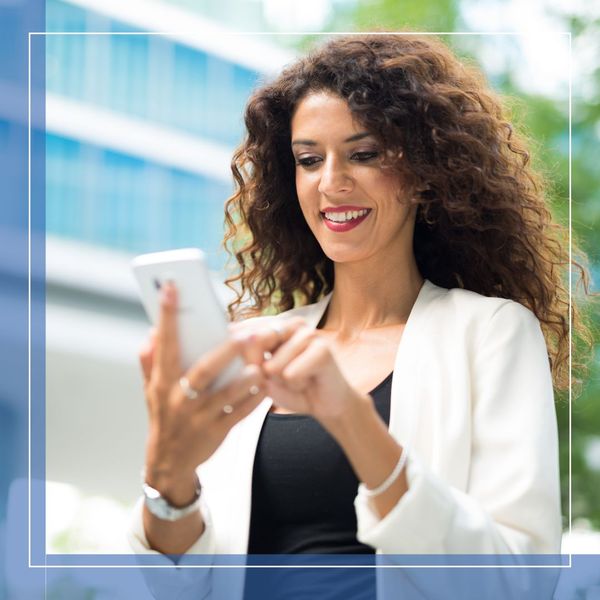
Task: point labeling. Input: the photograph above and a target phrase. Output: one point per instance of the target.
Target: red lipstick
(347, 225)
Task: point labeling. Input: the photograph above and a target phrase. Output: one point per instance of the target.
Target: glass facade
(123, 201)
(116, 200)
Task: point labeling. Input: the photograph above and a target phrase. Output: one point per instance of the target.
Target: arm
(512, 504)
(185, 429)
(371, 450)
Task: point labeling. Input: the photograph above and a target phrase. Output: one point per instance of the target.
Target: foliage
(392, 15)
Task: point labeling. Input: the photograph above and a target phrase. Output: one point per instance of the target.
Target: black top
(303, 487)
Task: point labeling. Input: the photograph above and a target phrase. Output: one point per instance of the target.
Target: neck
(368, 296)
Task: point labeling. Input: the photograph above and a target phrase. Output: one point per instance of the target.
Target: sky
(541, 51)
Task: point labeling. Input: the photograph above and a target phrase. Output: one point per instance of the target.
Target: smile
(344, 220)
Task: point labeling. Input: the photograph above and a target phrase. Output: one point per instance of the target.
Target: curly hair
(482, 219)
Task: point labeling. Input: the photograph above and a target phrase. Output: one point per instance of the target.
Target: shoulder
(473, 315)
(484, 340)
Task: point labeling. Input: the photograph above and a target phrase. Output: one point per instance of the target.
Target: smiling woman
(400, 400)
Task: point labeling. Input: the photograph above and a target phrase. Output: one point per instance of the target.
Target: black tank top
(303, 487)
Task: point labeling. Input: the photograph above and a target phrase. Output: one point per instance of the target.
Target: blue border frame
(37, 341)
(66, 576)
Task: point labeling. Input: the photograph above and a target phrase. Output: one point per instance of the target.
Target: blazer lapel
(409, 368)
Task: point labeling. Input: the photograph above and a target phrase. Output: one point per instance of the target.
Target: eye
(365, 156)
(307, 161)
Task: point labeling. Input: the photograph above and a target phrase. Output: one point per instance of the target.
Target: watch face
(151, 493)
(161, 508)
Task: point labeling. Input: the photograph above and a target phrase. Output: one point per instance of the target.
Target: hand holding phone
(189, 421)
(201, 321)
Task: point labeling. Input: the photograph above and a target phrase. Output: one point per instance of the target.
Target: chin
(343, 255)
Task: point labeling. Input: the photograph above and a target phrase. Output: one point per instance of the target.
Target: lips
(344, 218)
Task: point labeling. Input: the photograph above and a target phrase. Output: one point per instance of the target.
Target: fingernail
(168, 293)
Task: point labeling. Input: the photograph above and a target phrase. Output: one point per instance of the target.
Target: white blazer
(471, 400)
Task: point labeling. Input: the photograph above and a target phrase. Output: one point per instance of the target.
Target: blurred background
(139, 134)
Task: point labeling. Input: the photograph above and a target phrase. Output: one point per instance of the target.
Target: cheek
(305, 193)
(303, 183)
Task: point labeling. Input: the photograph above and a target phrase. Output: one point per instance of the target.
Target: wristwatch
(160, 507)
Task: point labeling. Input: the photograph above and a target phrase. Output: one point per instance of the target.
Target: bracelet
(391, 478)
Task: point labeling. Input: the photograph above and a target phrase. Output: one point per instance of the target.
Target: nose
(335, 179)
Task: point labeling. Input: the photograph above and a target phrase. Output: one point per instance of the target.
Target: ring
(267, 355)
(254, 389)
(228, 409)
(189, 392)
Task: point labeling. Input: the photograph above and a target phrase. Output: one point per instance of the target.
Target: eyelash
(310, 161)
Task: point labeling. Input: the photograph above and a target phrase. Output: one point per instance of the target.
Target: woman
(386, 212)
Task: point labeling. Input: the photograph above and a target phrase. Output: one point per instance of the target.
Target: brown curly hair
(482, 219)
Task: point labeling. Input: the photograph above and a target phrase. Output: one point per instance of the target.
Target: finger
(286, 397)
(252, 350)
(266, 338)
(297, 344)
(203, 373)
(241, 410)
(251, 382)
(300, 371)
(146, 355)
(166, 354)
(269, 338)
(260, 324)
(284, 329)
(238, 327)
(244, 330)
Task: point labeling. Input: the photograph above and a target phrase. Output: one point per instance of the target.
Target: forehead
(323, 112)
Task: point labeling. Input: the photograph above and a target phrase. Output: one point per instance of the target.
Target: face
(355, 208)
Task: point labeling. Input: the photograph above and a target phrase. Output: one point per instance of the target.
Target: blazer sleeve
(179, 583)
(512, 501)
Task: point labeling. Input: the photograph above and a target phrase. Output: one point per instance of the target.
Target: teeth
(342, 217)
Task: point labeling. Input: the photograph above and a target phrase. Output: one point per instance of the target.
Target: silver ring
(254, 389)
(228, 409)
(189, 392)
(267, 355)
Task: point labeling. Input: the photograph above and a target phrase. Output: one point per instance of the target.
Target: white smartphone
(201, 320)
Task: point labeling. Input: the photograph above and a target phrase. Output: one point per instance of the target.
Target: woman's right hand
(184, 432)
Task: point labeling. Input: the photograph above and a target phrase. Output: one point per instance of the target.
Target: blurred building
(141, 127)
(140, 132)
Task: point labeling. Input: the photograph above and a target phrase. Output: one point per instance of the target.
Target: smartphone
(201, 320)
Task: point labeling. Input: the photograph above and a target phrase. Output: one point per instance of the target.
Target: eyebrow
(352, 138)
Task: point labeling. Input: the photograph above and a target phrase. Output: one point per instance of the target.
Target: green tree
(394, 15)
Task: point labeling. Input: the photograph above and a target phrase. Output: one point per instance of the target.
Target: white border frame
(233, 33)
